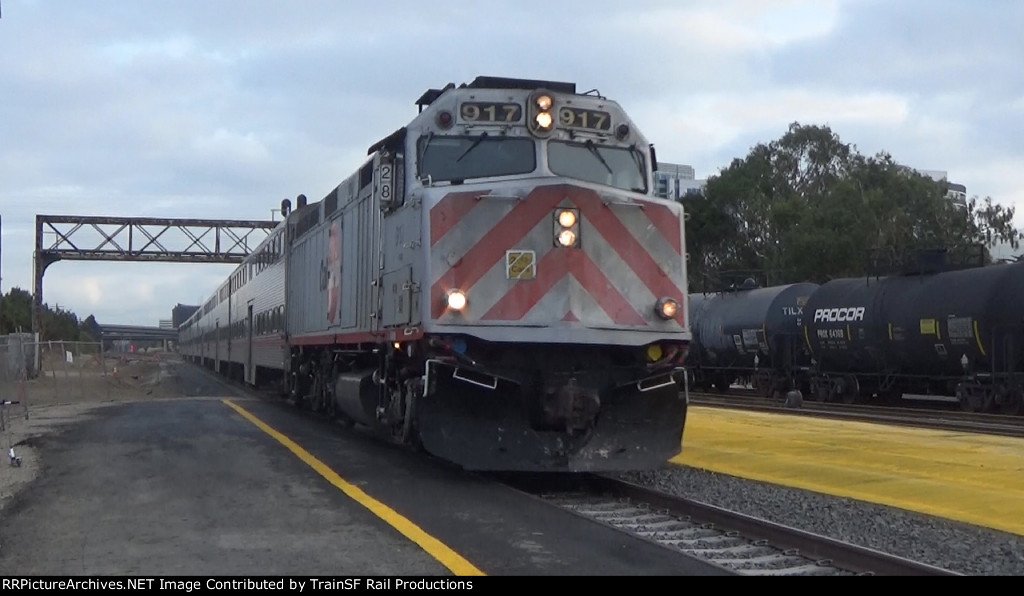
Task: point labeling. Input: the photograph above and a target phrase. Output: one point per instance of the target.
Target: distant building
(676, 181)
(181, 313)
(954, 192)
(957, 193)
(166, 324)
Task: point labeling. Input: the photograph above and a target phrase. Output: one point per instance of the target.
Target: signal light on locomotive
(566, 218)
(567, 228)
(456, 300)
(444, 119)
(621, 132)
(542, 121)
(667, 308)
(567, 238)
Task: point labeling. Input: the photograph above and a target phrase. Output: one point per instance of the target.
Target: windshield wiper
(593, 149)
(426, 145)
(639, 161)
(478, 140)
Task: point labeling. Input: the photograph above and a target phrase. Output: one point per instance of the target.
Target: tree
(56, 324)
(808, 207)
(16, 311)
(89, 329)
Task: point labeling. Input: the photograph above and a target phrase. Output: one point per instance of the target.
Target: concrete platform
(209, 486)
(974, 478)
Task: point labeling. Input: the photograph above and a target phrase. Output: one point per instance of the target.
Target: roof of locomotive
(481, 82)
(485, 82)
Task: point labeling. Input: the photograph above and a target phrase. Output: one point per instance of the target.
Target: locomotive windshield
(459, 158)
(621, 167)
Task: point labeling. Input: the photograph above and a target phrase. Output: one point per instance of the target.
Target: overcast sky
(221, 108)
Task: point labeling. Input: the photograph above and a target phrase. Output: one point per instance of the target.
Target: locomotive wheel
(404, 431)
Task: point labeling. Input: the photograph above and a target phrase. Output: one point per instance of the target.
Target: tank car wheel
(1013, 402)
(722, 383)
(850, 390)
(890, 397)
(794, 398)
(969, 400)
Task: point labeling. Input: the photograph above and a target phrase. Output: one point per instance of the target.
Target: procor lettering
(834, 315)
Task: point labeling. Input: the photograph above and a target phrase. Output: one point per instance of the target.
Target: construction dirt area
(63, 394)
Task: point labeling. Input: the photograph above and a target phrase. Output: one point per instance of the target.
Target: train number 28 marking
(385, 181)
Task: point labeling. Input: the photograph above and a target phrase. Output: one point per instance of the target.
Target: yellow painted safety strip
(434, 547)
(977, 337)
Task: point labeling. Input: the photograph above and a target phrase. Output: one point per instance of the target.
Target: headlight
(667, 308)
(567, 238)
(456, 300)
(544, 120)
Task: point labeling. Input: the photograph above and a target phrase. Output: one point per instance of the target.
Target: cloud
(738, 25)
(220, 110)
(704, 130)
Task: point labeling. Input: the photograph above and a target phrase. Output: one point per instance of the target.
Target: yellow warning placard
(521, 264)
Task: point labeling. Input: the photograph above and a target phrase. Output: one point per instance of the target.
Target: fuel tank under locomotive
(736, 333)
(931, 330)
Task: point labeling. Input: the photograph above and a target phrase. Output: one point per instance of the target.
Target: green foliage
(16, 312)
(808, 207)
(56, 324)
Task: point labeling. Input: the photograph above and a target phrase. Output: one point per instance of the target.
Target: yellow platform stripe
(434, 547)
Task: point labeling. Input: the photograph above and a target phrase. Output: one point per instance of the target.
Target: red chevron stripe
(601, 288)
(449, 211)
(630, 250)
(667, 223)
(524, 295)
(503, 236)
(551, 269)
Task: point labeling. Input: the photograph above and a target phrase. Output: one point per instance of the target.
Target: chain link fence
(36, 375)
(18, 363)
(35, 372)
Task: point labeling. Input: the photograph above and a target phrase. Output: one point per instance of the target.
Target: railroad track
(918, 416)
(739, 543)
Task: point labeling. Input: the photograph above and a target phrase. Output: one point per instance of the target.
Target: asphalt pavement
(225, 484)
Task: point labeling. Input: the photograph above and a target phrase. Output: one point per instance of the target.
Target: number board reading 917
(490, 112)
(580, 118)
